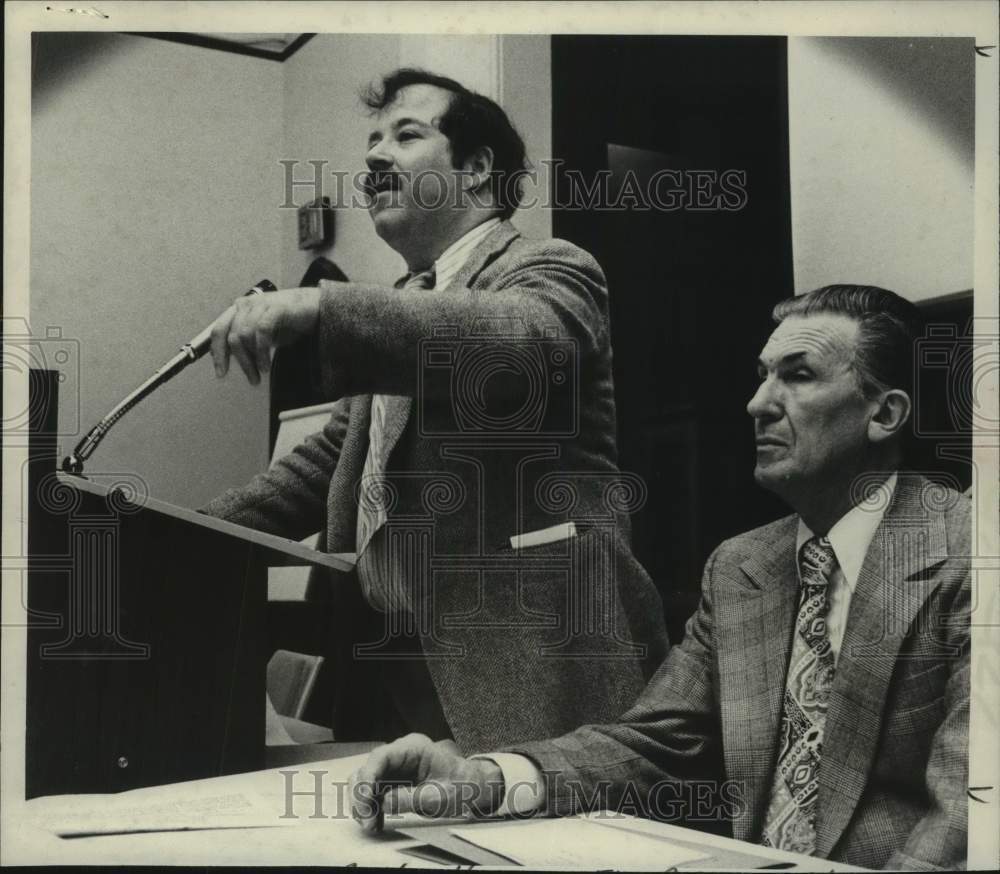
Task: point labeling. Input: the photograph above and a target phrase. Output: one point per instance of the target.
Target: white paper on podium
(578, 843)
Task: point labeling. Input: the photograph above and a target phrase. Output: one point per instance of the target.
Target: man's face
(810, 416)
(412, 178)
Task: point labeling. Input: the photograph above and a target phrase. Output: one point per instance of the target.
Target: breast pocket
(917, 699)
(921, 719)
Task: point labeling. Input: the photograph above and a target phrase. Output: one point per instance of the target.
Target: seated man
(825, 674)
(475, 403)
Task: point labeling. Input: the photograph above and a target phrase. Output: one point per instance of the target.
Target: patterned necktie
(791, 817)
(371, 510)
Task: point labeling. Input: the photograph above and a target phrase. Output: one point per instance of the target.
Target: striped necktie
(790, 823)
(371, 511)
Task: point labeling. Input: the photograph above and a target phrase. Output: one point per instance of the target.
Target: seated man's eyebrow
(790, 358)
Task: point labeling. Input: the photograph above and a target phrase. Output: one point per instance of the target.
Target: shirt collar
(851, 536)
(451, 260)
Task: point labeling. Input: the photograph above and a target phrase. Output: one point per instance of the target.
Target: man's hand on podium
(416, 774)
(253, 327)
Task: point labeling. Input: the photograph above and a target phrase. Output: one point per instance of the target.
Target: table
(304, 838)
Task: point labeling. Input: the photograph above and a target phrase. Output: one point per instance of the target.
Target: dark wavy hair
(887, 331)
(470, 122)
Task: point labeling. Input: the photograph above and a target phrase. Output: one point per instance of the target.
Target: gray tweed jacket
(894, 772)
(501, 421)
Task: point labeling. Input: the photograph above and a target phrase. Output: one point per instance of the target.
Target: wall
(324, 121)
(526, 94)
(472, 60)
(881, 161)
(153, 182)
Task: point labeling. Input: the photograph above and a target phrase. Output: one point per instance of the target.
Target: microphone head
(262, 286)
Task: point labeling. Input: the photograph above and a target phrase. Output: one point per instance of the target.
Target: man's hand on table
(253, 327)
(416, 774)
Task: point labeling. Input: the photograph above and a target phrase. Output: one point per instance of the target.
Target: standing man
(823, 683)
(476, 405)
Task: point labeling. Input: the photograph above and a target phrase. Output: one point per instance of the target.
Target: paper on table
(577, 843)
(73, 815)
(251, 800)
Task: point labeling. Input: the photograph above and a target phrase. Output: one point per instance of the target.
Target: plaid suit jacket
(894, 772)
(518, 646)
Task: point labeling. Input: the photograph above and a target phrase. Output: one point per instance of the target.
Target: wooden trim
(293, 47)
(950, 297)
(207, 42)
(305, 555)
(302, 412)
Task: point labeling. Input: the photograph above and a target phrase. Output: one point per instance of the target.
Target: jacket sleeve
(290, 499)
(371, 337)
(669, 737)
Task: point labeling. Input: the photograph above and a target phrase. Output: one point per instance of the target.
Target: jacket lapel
(891, 589)
(753, 660)
(397, 407)
(487, 251)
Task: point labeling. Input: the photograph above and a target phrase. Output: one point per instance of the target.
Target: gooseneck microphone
(189, 352)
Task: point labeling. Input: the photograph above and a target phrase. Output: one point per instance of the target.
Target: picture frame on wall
(315, 223)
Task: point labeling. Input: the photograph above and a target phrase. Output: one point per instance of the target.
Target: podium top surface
(297, 552)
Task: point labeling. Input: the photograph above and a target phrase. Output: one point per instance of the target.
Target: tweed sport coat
(894, 773)
(519, 645)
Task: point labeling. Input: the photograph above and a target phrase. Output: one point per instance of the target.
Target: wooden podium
(146, 634)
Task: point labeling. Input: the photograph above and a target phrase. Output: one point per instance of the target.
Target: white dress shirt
(382, 587)
(453, 259)
(850, 537)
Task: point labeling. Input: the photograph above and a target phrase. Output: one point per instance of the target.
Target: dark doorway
(948, 368)
(692, 278)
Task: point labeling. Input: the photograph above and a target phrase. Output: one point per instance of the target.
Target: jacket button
(122, 762)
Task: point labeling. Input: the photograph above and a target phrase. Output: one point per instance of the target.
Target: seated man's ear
(477, 168)
(892, 414)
